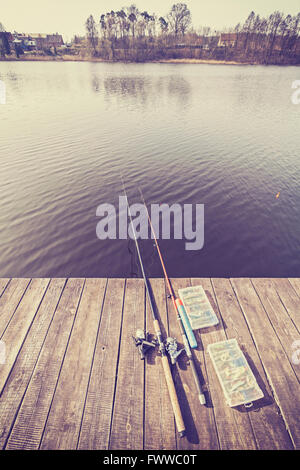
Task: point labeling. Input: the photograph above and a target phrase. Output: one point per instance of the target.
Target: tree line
(134, 34)
(276, 36)
(130, 21)
(131, 34)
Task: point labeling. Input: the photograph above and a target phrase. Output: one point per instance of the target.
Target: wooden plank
(17, 329)
(19, 378)
(128, 412)
(199, 420)
(64, 419)
(31, 419)
(284, 383)
(10, 300)
(3, 284)
(159, 418)
(284, 328)
(96, 423)
(267, 425)
(233, 430)
(289, 298)
(295, 282)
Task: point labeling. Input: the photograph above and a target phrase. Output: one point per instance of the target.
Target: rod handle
(201, 395)
(173, 396)
(186, 323)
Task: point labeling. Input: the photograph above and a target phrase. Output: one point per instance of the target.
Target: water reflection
(96, 83)
(224, 136)
(132, 87)
(143, 90)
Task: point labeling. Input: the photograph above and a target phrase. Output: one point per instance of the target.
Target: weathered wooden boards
(199, 419)
(96, 420)
(20, 375)
(159, 420)
(73, 379)
(260, 427)
(127, 416)
(261, 307)
(3, 284)
(31, 419)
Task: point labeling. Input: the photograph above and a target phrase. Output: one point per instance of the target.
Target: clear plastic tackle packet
(234, 373)
(197, 306)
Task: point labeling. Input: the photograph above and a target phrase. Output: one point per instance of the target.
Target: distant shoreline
(203, 61)
(69, 58)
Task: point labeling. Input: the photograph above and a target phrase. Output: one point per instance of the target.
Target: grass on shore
(76, 58)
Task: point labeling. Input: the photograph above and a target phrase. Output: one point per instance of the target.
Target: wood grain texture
(3, 284)
(290, 299)
(31, 419)
(283, 326)
(280, 374)
(10, 299)
(269, 431)
(73, 378)
(96, 423)
(19, 324)
(64, 420)
(200, 424)
(21, 373)
(295, 282)
(127, 430)
(159, 419)
(234, 431)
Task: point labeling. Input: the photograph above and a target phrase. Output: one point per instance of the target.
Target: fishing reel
(141, 340)
(172, 349)
(144, 345)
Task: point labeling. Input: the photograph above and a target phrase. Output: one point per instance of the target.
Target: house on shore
(46, 41)
(36, 41)
(228, 40)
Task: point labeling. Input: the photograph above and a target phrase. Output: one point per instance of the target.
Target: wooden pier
(72, 377)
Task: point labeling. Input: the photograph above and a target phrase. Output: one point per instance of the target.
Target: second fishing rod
(184, 326)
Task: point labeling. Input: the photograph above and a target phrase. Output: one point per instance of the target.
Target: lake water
(224, 136)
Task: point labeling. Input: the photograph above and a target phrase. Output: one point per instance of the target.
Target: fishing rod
(164, 358)
(181, 314)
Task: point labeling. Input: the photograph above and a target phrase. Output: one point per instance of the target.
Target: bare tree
(247, 29)
(111, 25)
(275, 20)
(92, 32)
(295, 31)
(2, 46)
(103, 27)
(122, 22)
(285, 31)
(164, 25)
(133, 13)
(179, 18)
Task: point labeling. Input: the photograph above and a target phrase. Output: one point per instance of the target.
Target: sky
(67, 17)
